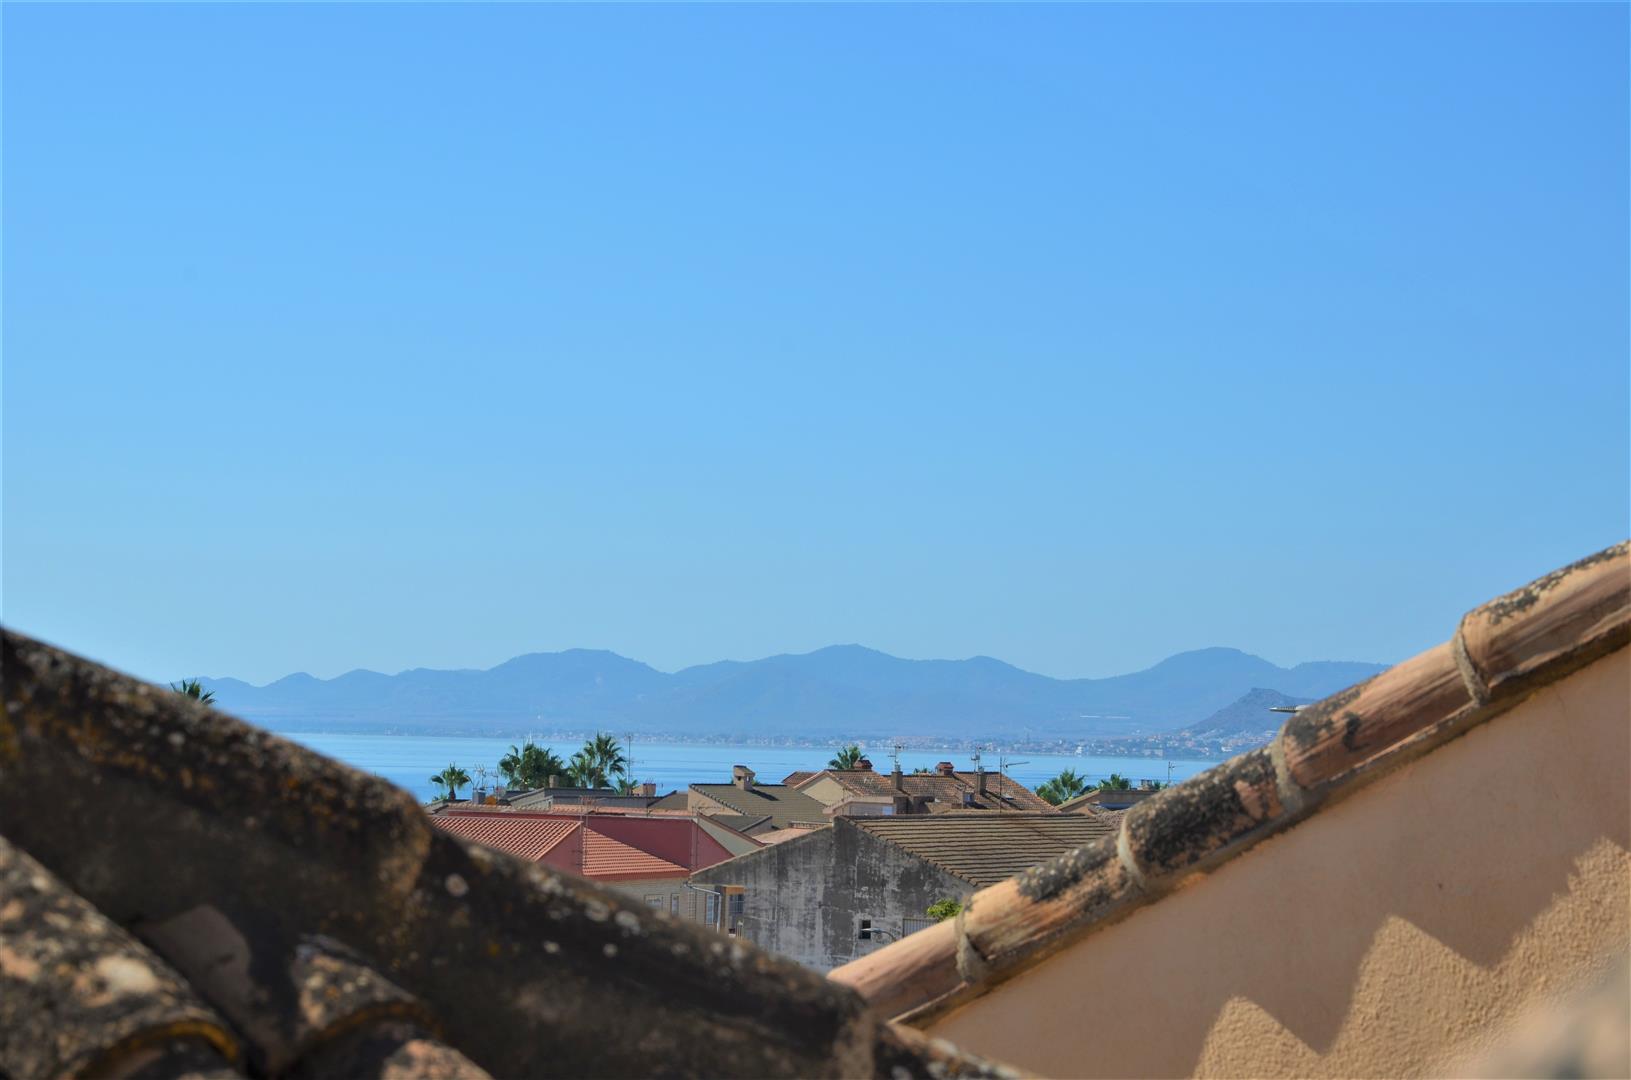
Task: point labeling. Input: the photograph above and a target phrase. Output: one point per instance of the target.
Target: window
(738, 904)
(654, 902)
(713, 909)
(674, 904)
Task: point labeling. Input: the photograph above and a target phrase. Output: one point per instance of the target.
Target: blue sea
(409, 760)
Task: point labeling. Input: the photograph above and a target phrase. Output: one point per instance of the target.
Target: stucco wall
(806, 897)
(1390, 934)
(692, 905)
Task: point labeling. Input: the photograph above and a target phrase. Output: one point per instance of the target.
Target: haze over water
(409, 760)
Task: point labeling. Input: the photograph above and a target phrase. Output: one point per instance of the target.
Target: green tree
(600, 764)
(608, 754)
(847, 758)
(530, 765)
(941, 910)
(194, 689)
(450, 780)
(1067, 785)
(1116, 782)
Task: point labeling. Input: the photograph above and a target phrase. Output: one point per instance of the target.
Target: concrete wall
(805, 897)
(1391, 934)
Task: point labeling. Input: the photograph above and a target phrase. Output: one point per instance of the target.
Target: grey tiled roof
(782, 804)
(982, 847)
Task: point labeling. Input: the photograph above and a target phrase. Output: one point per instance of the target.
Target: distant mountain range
(1249, 715)
(839, 690)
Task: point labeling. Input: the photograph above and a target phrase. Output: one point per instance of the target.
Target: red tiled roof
(605, 858)
(524, 835)
(946, 790)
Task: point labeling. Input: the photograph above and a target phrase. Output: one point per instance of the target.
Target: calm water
(409, 760)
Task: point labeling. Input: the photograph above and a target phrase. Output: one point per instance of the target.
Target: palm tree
(1067, 785)
(599, 764)
(608, 754)
(530, 765)
(194, 689)
(1116, 782)
(847, 758)
(451, 779)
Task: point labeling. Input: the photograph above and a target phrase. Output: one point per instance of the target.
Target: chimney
(550, 780)
(981, 774)
(894, 774)
(945, 768)
(647, 790)
(902, 803)
(742, 776)
(863, 765)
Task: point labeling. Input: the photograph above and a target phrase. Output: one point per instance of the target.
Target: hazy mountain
(843, 689)
(1249, 715)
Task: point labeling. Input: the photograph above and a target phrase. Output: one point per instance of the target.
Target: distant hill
(839, 690)
(1248, 716)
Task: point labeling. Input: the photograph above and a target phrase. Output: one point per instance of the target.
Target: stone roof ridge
(363, 938)
(1499, 654)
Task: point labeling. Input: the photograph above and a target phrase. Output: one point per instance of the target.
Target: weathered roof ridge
(202, 835)
(1500, 653)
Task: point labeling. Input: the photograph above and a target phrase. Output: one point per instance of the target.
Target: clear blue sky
(362, 336)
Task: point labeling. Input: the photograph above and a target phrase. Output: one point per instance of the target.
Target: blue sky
(375, 336)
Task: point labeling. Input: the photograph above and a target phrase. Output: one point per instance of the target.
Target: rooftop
(784, 806)
(526, 836)
(950, 790)
(981, 847)
(1500, 654)
(361, 938)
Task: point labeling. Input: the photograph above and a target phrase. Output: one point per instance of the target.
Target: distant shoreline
(1153, 746)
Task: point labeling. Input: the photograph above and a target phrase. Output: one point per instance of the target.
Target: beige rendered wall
(671, 893)
(826, 791)
(1391, 934)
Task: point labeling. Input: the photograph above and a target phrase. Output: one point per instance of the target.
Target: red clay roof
(946, 790)
(609, 859)
(525, 835)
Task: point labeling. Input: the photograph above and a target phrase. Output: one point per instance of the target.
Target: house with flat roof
(835, 894)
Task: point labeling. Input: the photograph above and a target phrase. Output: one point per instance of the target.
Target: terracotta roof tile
(611, 860)
(947, 791)
(348, 913)
(1500, 652)
(525, 836)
